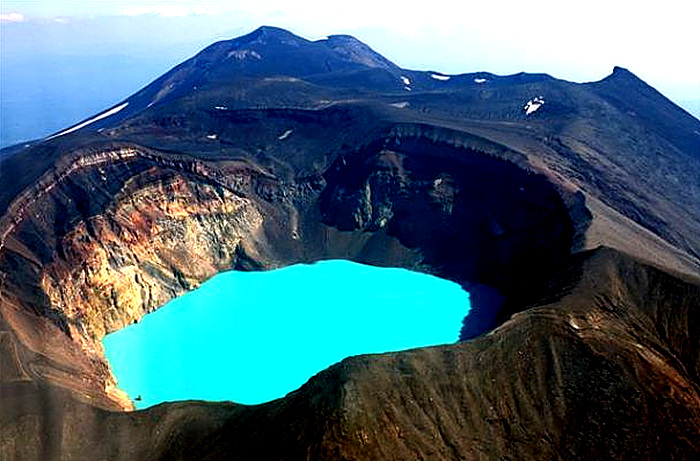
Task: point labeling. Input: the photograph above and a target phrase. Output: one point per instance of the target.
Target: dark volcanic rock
(605, 372)
(270, 149)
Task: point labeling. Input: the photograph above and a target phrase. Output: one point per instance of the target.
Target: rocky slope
(608, 371)
(268, 150)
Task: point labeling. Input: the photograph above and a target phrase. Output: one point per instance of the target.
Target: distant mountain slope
(269, 149)
(602, 134)
(630, 94)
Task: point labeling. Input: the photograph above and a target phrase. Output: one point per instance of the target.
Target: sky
(577, 41)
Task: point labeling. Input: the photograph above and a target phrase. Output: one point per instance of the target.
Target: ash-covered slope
(608, 371)
(270, 149)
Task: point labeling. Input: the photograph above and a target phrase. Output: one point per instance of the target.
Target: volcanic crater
(572, 349)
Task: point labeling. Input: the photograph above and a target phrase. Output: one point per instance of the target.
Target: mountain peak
(269, 34)
(354, 50)
(272, 31)
(621, 74)
(622, 78)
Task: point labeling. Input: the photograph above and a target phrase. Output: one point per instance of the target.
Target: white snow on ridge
(92, 120)
(400, 105)
(285, 135)
(533, 104)
(405, 80)
(480, 80)
(442, 78)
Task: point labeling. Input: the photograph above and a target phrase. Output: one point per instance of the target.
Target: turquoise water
(252, 337)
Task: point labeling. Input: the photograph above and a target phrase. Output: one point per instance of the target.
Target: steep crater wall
(474, 216)
(118, 236)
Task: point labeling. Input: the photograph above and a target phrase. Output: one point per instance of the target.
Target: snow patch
(285, 135)
(407, 88)
(282, 78)
(442, 78)
(92, 120)
(211, 136)
(405, 80)
(400, 105)
(480, 80)
(533, 104)
(221, 108)
(243, 54)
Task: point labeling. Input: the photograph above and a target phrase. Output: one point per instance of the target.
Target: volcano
(569, 211)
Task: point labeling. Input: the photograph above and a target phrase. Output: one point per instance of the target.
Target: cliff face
(120, 232)
(605, 372)
(153, 244)
(277, 161)
(118, 236)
